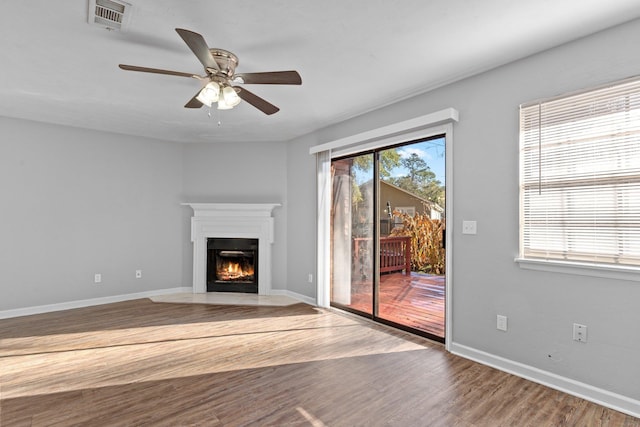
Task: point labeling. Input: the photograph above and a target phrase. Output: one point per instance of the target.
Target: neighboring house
(406, 202)
(394, 198)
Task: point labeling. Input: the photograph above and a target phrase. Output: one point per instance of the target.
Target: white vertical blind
(323, 225)
(580, 176)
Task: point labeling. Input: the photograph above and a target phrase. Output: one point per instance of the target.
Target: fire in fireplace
(232, 265)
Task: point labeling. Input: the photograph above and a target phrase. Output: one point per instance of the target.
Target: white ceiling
(354, 56)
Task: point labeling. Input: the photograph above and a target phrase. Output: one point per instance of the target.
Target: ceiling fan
(218, 83)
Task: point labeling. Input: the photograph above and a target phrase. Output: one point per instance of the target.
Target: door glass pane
(352, 231)
(412, 264)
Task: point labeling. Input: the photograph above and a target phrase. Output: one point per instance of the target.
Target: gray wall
(78, 202)
(541, 306)
(240, 173)
(75, 203)
(301, 213)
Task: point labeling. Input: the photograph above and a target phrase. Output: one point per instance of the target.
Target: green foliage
(427, 253)
(389, 160)
(420, 180)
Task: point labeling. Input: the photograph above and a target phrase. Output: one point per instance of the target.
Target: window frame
(572, 266)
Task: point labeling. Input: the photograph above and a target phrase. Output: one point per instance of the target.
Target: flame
(233, 270)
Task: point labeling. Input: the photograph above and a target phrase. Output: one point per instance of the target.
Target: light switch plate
(501, 322)
(469, 227)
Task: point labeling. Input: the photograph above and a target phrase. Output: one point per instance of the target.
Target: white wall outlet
(501, 322)
(97, 278)
(579, 332)
(310, 278)
(138, 274)
(469, 227)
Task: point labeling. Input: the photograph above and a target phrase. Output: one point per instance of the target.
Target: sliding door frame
(423, 127)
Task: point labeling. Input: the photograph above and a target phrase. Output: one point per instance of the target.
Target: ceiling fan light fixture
(209, 94)
(222, 104)
(230, 96)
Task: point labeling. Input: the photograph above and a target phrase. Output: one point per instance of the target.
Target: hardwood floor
(142, 363)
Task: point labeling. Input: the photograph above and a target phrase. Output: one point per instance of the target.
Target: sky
(431, 152)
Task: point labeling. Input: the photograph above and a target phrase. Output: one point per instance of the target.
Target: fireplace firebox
(232, 265)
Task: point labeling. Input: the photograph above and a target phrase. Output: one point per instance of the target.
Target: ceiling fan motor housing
(226, 60)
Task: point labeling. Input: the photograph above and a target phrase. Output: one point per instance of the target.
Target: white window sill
(582, 269)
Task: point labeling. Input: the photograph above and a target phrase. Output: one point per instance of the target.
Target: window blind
(580, 176)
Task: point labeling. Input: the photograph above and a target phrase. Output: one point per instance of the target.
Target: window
(409, 210)
(580, 177)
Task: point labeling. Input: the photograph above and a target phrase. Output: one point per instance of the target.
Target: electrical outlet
(138, 274)
(97, 278)
(579, 332)
(310, 278)
(469, 227)
(501, 322)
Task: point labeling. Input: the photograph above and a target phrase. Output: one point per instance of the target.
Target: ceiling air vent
(109, 14)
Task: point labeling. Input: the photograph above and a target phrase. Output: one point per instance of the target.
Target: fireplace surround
(232, 221)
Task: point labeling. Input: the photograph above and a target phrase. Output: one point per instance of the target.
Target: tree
(389, 160)
(420, 179)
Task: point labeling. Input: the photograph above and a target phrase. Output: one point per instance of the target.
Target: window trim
(620, 272)
(580, 91)
(594, 269)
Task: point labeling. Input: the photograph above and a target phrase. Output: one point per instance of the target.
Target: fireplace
(232, 265)
(232, 221)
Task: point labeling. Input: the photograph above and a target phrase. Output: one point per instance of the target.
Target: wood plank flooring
(141, 363)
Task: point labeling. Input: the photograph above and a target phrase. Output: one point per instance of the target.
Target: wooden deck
(416, 300)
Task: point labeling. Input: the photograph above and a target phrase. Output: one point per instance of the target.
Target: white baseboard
(26, 311)
(597, 395)
(303, 298)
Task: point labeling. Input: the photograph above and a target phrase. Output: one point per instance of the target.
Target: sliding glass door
(388, 233)
(352, 233)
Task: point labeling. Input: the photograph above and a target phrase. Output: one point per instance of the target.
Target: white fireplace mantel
(232, 220)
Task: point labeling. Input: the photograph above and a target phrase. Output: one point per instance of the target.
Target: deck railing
(395, 252)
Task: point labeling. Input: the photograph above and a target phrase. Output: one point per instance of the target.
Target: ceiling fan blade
(272, 78)
(156, 71)
(193, 102)
(253, 99)
(199, 47)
